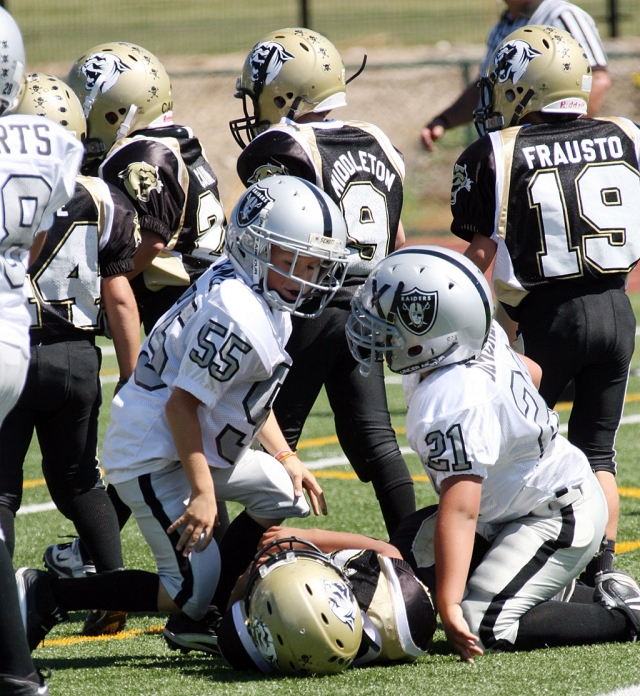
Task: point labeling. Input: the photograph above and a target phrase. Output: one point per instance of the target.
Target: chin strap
(125, 126)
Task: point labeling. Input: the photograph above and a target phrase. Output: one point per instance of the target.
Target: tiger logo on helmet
(512, 60)
(266, 61)
(103, 70)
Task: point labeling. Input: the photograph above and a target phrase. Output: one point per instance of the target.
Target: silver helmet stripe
(327, 223)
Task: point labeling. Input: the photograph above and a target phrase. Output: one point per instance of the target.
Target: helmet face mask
(536, 68)
(45, 95)
(301, 612)
(299, 218)
(420, 308)
(122, 88)
(290, 72)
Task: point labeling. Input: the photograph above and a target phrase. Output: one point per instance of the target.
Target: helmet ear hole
(510, 95)
(111, 118)
(414, 351)
(279, 102)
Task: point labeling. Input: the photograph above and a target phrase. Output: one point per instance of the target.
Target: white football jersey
(486, 418)
(39, 161)
(220, 342)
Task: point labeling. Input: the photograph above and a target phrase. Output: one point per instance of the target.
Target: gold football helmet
(122, 88)
(45, 95)
(289, 73)
(536, 68)
(302, 615)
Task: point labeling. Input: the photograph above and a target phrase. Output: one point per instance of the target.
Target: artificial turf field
(138, 662)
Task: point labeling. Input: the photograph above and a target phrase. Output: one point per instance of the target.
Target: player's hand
(198, 522)
(274, 533)
(458, 634)
(303, 479)
(430, 133)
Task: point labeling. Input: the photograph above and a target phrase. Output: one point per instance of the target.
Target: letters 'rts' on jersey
(39, 161)
(353, 162)
(562, 202)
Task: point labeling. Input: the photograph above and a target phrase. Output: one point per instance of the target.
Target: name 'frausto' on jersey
(573, 152)
(359, 161)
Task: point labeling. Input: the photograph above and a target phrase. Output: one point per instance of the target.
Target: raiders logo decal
(265, 170)
(418, 310)
(512, 60)
(253, 203)
(266, 61)
(140, 179)
(102, 70)
(461, 181)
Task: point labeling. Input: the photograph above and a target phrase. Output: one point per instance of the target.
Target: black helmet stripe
(486, 301)
(327, 223)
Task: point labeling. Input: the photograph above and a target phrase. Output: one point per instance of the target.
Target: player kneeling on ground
(491, 447)
(304, 609)
(181, 428)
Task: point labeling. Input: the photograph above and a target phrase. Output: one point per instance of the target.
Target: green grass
(142, 664)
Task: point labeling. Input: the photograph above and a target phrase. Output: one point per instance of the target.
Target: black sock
(15, 656)
(552, 624)
(237, 549)
(124, 590)
(603, 561)
(96, 522)
(223, 519)
(8, 528)
(396, 504)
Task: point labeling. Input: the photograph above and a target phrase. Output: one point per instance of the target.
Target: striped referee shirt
(556, 13)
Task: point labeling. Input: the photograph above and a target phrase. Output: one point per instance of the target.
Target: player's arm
(200, 516)
(453, 543)
(273, 441)
(124, 322)
(481, 251)
(327, 540)
(461, 111)
(400, 237)
(151, 244)
(599, 88)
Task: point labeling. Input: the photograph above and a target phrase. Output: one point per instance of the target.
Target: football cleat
(100, 622)
(185, 634)
(617, 590)
(65, 560)
(39, 609)
(32, 685)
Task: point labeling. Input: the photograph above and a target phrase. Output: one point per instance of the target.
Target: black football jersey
(165, 173)
(93, 236)
(561, 200)
(354, 163)
(391, 595)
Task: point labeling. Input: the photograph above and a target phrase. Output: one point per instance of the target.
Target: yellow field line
(123, 635)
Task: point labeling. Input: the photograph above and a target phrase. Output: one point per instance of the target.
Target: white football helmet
(13, 61)
(421, 307)
(299, 615)
(289, 72)
(122, 88)
(298, 217)
(536, 68)
(45, 95)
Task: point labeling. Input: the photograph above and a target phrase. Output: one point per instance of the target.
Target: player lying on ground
(275, 622)
(492, 450)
